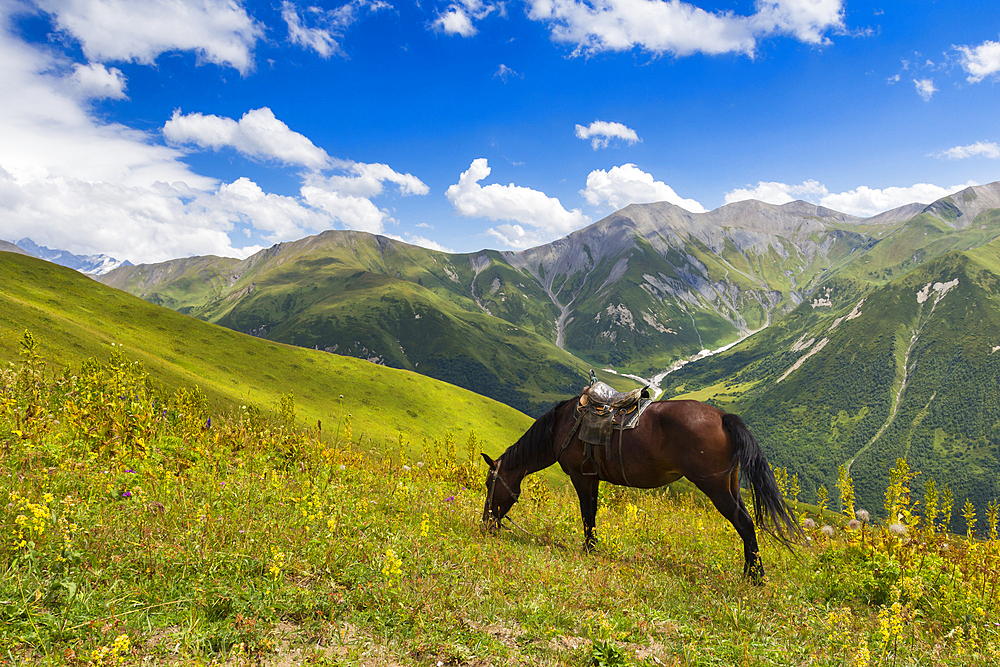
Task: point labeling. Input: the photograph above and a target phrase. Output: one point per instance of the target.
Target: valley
(843, 340)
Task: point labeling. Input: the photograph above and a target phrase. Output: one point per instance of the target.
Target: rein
(493, 488)
(538, 538)
(489, 505)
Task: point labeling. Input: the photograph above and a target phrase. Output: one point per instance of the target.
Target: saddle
(602, 411)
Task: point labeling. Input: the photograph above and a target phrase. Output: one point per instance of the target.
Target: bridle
(493, 487)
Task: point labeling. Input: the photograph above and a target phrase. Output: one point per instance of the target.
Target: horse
(673, 439)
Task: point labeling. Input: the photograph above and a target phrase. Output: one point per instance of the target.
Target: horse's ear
(490, 462)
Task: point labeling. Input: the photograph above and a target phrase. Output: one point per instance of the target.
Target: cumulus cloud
(806, 20)
(458, 18)
(351, 211)
(925, 88)
(69, 179)
(143, 224)
(218, 31)
(627, 184)
(424, 242)
(601, 132)
(980, 61)
(862, 201)
(682, 28)
(346, 198)
(49, 130)
(327, 27)
(538, 218)
(978, 149)
(95, 81)
(505, 73)
(367, 180)
(866, 202)
(258, 135)
(778, 193)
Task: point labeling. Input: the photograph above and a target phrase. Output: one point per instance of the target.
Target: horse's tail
(768, 504)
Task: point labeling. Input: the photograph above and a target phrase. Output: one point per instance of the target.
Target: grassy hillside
(252, 542)
(73, 318)
(374, 298)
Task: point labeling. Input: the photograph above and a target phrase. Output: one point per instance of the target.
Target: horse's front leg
(587, 488)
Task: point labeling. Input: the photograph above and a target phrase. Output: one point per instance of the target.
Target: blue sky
(154, 129)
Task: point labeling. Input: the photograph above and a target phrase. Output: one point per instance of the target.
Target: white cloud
(277, 216)
(425, 242)
(925, 88)
(681, 28)
(218, 31)
(48, 129)
(143, 224)
(778, 193)
(350, 210)
(980, 61)
(978, 149)
(866, 202)
(455, 21)
(506, 73)
(806, 20)
(627, 184)
(95, 81)
(343, 198)
(72, 181)
(458, 18)
(258, 134)
(325, 35)
(544, 215)
(367, 180)
(863, 201)
(600, 132)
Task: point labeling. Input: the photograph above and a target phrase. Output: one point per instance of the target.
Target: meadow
(139, 525)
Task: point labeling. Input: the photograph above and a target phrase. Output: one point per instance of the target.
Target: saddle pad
(597, 428)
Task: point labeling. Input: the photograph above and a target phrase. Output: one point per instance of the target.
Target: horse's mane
(536, 442)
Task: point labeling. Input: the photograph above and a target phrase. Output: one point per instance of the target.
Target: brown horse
(673, 439)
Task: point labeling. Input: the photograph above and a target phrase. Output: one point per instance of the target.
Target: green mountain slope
(639, 290)
(910, 369)
(74, 317)
(378, 299)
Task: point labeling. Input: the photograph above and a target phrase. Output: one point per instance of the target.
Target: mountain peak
(961, 208)
(94, 265)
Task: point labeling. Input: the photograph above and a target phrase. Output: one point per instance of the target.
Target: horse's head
(502, 490)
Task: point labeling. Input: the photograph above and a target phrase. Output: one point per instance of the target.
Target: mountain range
(94, 265)
(872, 333)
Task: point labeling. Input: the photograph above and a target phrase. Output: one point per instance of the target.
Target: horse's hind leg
(753, 567)
(725, 495)
(587, 488)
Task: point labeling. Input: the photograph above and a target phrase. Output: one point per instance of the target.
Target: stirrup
(588, 451)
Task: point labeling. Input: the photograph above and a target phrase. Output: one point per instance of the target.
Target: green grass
(74, 318)
(255, 542)
(719, 393)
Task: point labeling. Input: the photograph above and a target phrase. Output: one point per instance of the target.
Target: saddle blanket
(601, 421)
